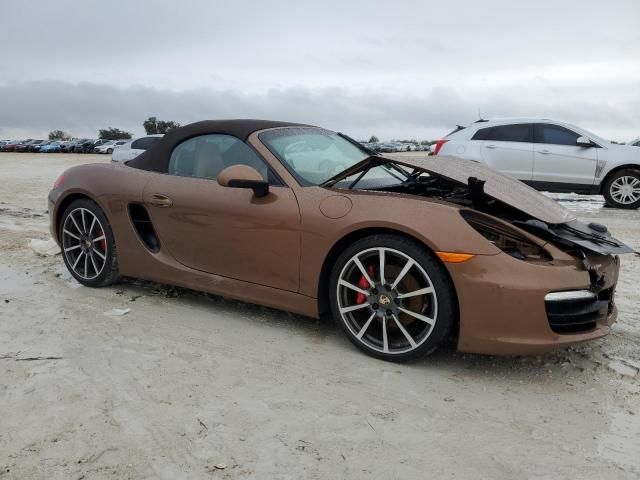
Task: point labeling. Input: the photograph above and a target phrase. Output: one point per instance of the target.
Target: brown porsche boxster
(403, 252)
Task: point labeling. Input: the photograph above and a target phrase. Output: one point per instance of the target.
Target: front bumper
(502, 302)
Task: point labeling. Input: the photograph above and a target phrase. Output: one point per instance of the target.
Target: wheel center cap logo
(384, 300)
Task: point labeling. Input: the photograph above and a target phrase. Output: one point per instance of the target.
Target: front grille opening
(578, 315)
(143, 226)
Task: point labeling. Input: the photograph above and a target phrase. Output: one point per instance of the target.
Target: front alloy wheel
(622, 189)
(392, 298)
(88, 245)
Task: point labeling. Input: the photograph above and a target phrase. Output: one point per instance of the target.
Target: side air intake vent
(142, 224)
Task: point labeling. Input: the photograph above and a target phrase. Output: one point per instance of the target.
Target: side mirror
(244, 176)
(584, 142)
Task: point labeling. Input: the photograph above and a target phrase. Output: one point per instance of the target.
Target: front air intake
(577, 310)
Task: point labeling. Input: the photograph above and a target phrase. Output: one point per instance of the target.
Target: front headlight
(506, 238)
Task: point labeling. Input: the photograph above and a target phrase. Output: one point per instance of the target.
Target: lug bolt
(375, 306)
(389, 313)
(374, 291)
(396, 301)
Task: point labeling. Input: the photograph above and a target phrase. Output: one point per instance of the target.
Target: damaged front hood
(497, 186)
(550, 220)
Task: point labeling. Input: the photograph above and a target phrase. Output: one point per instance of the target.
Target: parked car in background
(24, 146)
(63, 144)
(11, 145)
(37, 144)
(635, 143)
(70, 145)
(552, 156)
(84, 146)
(133, 148)
(109, 146)
(51, 147)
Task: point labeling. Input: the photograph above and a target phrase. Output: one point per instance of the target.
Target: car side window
(520, 132)
(144, 143)
(555, 135)
(205, 156)
(482, 134)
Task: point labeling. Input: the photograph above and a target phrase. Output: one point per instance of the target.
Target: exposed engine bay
(489, 195)
(568, 235)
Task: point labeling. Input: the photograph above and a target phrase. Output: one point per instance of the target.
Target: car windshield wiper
(358, 144)
(363, 167)
(347, 172)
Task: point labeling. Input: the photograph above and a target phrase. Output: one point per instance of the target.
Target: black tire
(109, 273)
(612, 180)
(397, 249)
(110, 151)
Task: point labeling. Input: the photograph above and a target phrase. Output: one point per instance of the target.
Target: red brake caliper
(362, 283)
(102, 243)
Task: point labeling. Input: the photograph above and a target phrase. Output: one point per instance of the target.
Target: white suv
(131, 149)
(552, 156)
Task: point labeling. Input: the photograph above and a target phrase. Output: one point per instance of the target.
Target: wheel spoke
(366, 325)
(84, 222)
(95, 250)
(382, 260)
(409, 338)
(86, 264)
(428, 320)
(353, 287)
(93, 222)
(95, 267)
(353, 307)
(403, 272)
(415, 293)
(68, 249)
(75, 223)
(363, 270)
(70, 234)
(101, 237)
(77, 260)
(385, 341)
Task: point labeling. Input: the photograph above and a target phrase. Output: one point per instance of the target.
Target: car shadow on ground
(325, 330)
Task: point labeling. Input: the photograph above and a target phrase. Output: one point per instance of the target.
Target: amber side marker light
(451, 257)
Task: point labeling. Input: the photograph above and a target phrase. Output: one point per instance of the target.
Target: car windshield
(313, 155)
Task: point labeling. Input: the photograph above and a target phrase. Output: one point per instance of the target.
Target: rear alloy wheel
(622, 189)
(88, 245)
(392, 298)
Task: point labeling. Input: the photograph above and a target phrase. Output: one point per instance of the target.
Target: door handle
(544, 152)
(490, 146)
(159, 200)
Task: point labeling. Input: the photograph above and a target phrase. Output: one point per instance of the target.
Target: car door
(222, 230)
(508, 149)
(558, 159)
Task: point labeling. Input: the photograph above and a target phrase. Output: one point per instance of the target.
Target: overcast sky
(393, 69)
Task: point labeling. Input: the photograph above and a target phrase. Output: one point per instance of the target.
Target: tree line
(151, 126)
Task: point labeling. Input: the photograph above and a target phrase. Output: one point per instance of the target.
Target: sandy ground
(186, 381)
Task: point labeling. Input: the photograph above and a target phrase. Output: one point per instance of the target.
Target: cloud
(393, 69)
(82, 108)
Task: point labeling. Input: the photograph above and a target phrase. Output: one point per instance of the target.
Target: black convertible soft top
(157, 157)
